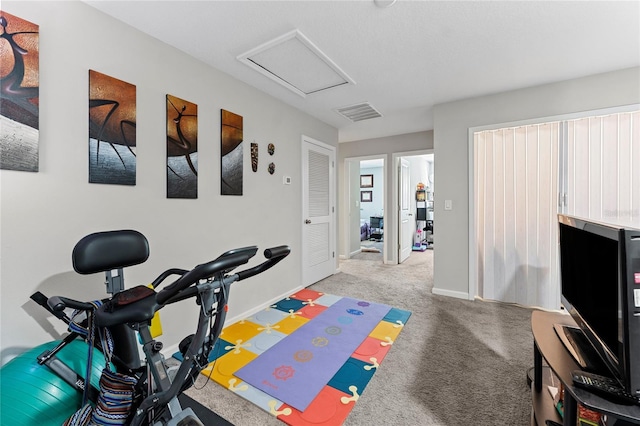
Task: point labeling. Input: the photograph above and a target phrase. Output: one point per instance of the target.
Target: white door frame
(395, 196)
(332, 201)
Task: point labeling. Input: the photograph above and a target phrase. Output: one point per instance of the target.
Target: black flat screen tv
(600, 288)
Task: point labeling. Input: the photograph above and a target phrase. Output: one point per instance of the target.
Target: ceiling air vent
(359, 112)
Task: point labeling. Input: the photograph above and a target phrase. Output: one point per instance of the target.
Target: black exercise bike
(119, 324)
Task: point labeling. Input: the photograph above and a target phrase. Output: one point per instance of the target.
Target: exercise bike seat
(134, 305)
(109, 250)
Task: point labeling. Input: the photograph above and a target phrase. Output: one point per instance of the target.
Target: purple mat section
(297, 368)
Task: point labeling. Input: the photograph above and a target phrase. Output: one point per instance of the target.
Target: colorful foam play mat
(307, 358)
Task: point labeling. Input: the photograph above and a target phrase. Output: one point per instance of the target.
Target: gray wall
(44, 214)
(381, 148)
(452, 122)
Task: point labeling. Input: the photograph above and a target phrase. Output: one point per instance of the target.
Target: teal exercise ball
(32, 394)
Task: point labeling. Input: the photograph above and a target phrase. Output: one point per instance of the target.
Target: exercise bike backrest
(106, 252)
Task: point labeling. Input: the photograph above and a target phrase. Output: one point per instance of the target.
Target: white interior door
(407, 224)
(318, 211)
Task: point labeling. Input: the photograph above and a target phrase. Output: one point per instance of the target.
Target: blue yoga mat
(297, 368)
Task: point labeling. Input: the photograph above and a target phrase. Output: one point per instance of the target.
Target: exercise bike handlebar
(59, 303)
(221, 265)
(201, 272)
(274, 255)
(167, 273)
(279, 251)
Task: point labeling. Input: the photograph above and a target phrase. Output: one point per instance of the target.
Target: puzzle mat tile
(241, 343)
(330, 407)
(372, 351)
(306, 295)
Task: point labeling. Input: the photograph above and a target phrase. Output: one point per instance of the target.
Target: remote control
(606, 387)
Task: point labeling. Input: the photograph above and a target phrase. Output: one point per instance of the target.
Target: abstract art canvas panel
(231, 153)
(182, 148)
(112, 130)
(19, 94)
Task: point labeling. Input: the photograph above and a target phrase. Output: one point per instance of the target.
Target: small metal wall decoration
(271, 148)
(254, 156)
(272, 168)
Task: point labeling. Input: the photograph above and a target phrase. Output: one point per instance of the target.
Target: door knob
(308, 221)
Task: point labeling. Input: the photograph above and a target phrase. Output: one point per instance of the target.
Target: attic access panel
(293, 61)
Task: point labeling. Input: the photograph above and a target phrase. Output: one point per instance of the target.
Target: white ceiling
(404, 58)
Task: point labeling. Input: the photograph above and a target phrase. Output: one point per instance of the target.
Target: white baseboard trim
(450, 293)
(169, 351)
(259, 308)
(353, 253)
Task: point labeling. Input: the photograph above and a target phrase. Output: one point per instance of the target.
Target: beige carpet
(457, 362)
(368, 251)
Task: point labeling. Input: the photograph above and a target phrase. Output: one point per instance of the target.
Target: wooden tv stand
(547, 346)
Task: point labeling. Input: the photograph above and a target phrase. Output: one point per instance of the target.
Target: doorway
(365, 191)
(354, 218)
(371, 217)
(414, 213)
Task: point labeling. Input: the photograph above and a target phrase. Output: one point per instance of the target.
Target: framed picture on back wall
(366, 181)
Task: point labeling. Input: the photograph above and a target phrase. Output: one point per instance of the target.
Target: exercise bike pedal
(185, 418)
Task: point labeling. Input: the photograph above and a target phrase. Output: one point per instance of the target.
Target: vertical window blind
(603, 168)
(524, 176)
(515, 191)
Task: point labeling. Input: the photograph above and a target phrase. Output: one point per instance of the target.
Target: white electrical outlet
(286, 180)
